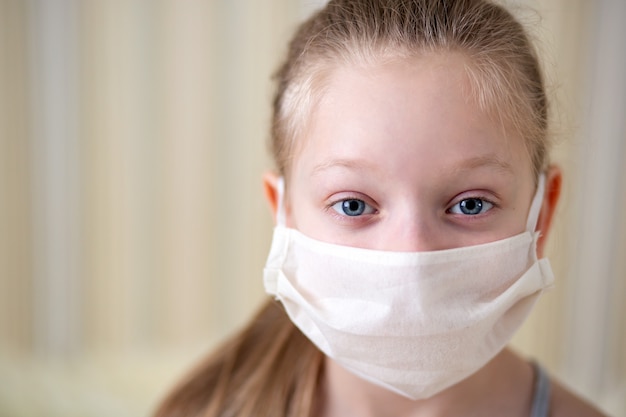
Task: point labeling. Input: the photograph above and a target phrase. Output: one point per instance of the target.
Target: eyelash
(484, 203)
(367, 209)
(344, 216)
(485, 197)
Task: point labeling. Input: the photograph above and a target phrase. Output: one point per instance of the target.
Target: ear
(270, 189)
(551, 196)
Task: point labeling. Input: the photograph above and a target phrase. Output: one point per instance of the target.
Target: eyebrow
(486, 161)
(482, 161)
(353, 164)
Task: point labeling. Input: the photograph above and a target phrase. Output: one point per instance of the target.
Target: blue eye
(471, 206)
(352, 207)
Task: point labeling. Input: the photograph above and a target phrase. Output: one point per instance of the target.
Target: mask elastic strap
(535, 206)
(281, 219)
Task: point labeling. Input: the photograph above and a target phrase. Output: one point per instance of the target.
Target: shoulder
(566, 403)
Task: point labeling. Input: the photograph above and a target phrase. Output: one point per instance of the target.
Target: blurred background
(133, 229)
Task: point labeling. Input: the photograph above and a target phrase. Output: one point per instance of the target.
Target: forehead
(422, 106)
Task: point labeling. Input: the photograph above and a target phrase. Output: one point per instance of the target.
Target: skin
(403, 146)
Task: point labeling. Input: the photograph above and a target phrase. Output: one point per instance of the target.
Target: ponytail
(268, 369)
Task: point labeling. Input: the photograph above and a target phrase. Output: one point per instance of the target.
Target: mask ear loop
(535, 206)
(281, 218)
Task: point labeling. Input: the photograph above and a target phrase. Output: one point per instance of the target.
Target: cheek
(309, 217)
(301, 214)
(298, 214)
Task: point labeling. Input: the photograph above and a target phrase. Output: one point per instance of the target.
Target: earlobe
(270, 189)
(554, 179)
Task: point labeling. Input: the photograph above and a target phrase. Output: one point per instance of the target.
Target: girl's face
(398, 157)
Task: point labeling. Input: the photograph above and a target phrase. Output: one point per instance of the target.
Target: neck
(502, 387)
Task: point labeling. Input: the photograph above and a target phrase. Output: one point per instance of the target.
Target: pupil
(471, 206)
(353, 207)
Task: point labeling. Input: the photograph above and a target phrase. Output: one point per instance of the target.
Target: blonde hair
(503, 67)
(270, 368)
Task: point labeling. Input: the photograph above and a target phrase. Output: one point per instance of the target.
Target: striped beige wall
(133, 229)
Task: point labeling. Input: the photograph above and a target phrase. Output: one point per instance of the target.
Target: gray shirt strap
(541, 395)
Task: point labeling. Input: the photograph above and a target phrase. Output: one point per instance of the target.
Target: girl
(413, 198)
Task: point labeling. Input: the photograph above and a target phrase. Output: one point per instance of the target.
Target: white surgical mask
(415, 323)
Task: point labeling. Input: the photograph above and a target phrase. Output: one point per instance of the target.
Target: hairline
(316, 80)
